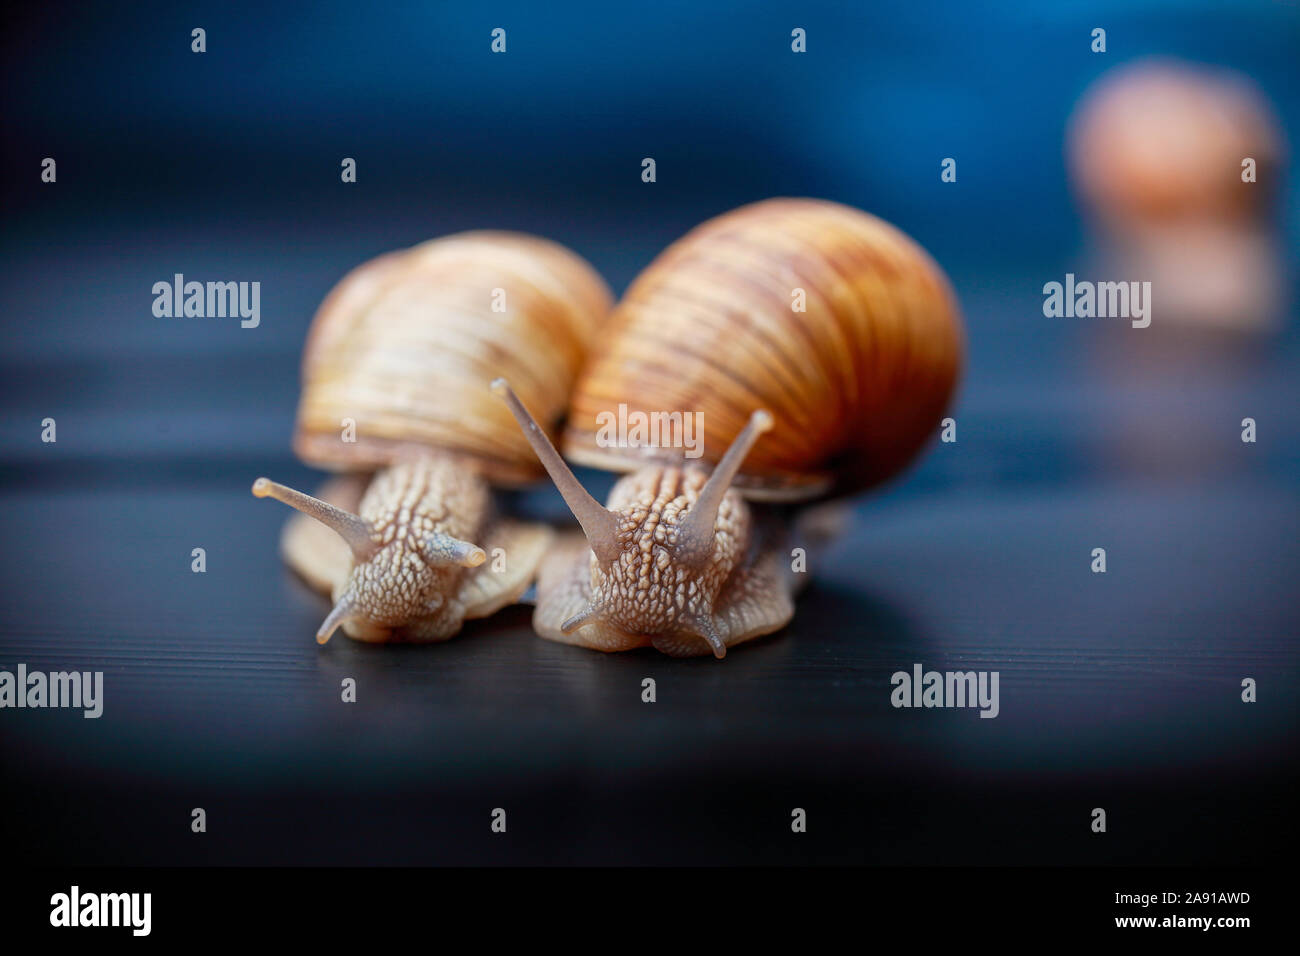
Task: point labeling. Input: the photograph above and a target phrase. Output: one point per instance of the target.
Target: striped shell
(406, 344)
(857, 383)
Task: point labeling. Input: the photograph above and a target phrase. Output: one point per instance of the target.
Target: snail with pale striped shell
(403, 347)
(807, 404)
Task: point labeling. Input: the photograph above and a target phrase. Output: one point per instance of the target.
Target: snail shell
(832, 399)
(1162, 141)
(856, 384)
(406, 343)
(1158, 154)
(394, 371)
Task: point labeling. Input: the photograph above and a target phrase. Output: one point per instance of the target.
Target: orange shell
(858, 382)
(406, 345)
(1162, 140)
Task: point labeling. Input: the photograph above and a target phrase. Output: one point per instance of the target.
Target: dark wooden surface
(1118, 690)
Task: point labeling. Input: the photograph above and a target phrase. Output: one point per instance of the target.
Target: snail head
(402, 570)
(665, 546)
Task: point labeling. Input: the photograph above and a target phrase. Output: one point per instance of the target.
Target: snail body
(393, 376)
(808, 404)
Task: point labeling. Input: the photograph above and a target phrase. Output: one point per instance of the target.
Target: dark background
(1118, 690)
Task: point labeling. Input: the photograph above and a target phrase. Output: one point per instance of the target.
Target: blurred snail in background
(820, 345)
(1178, 164)
(395, 373)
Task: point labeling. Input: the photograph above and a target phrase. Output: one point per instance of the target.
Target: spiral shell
(1163, 141)
(857, 383)
(406, 344)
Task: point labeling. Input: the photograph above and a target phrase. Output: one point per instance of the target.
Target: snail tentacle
(598, 524)
(442, 548)
(702, 624)
(696, 531)
(582, 617)
(341, 612)
(353, 529)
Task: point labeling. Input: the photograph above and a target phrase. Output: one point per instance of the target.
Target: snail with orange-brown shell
(1177, 167)
(807, 404)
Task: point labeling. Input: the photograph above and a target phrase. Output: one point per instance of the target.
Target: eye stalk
(353, 529)
(598, 524)
(695, 532)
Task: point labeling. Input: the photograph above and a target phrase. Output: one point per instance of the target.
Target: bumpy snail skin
(672, 562)
(402, 569)
(756, 598)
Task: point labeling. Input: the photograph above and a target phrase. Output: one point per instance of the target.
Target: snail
(1163, 141)
(1177, 166)
(808, 405)
(394, 373)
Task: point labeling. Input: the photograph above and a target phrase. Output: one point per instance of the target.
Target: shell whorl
(857, 383)
(406, 344)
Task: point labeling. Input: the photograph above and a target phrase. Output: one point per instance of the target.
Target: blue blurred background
(225, 166)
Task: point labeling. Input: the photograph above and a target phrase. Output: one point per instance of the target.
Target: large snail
(828, 400)
(394, 387)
